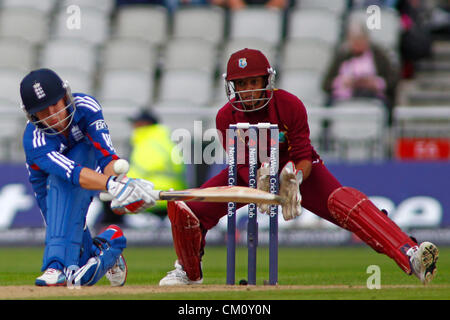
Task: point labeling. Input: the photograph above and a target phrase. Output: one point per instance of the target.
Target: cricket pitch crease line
(23, 292)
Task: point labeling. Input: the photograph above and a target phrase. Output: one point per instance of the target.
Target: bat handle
(156, 194)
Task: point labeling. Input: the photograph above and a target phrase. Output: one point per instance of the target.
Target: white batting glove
(290, 180)
(130, 195)
(120, 167)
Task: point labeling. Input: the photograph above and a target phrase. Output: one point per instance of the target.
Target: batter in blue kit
(70, 158)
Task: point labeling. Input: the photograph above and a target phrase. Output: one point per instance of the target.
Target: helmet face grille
(70, 108)
(235, 97)
(51, 130)
(247, 63)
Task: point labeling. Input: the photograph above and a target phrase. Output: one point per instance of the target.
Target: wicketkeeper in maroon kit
(253, 99)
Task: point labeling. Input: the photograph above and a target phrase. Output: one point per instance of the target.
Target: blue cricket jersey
(46, 154)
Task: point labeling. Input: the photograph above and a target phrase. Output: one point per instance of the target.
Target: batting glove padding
(130, 195)
(290, 180)
(263, 183)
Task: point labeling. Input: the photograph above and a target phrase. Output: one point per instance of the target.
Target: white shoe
(117, 275)
(423, 261)
(51, 278)
(177, 277)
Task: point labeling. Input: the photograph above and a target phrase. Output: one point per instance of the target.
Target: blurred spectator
(415, 41)
(131, 2)
(360, 69)
(152, 157)
(270, 4)
(415, 18)
(363, 4)
(171, 5)
(175, 4)
(440, 18)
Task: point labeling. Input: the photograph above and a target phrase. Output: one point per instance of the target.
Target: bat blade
(222, 194)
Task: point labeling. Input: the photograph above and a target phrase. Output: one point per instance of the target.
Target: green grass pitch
(304, 273)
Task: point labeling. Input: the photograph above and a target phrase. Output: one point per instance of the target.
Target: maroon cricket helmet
(247, 63)
(243, 64)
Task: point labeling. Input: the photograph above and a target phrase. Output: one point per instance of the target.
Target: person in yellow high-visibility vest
(152, 157)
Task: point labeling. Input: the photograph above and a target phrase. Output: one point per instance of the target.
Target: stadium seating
(24, 23)
(358, 128)
(316, 118)
(181, 114)
(305, 84)
(148, 23)
(117, 113)
(126, 53)
(257, 22)
(338, 7)
(78, 80)
(306, 54)
(44, 6)
(135, 86)
(9, 85)
(11, 131)
(207, 23)
(68, 53)
(194, 53)
(314, 23)
(105, 6)
(17, 53)
(186, 86)
(94, 26)
(144, 55)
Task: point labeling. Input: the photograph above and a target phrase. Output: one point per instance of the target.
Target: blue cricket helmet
(40, 89)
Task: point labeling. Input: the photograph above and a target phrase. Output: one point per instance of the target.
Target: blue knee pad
(86, 248)
(105, 250)
(112, 235)
(66, 209)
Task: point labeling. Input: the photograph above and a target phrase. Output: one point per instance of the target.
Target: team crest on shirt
(242, 63)
(76, 133)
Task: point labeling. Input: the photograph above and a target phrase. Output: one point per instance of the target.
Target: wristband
(107, 181)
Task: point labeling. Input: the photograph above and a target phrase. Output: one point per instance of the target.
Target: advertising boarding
(416, 196)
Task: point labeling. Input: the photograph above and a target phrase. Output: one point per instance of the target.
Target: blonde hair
(357, 28)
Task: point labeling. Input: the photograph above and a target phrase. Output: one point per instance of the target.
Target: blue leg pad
(65, 216)
(106, 249)
(86, 248)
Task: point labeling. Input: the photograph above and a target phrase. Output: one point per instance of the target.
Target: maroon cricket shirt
(289, 113)
(283, 109)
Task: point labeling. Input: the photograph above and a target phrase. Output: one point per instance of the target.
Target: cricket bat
(212, 194)
(222, 194)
